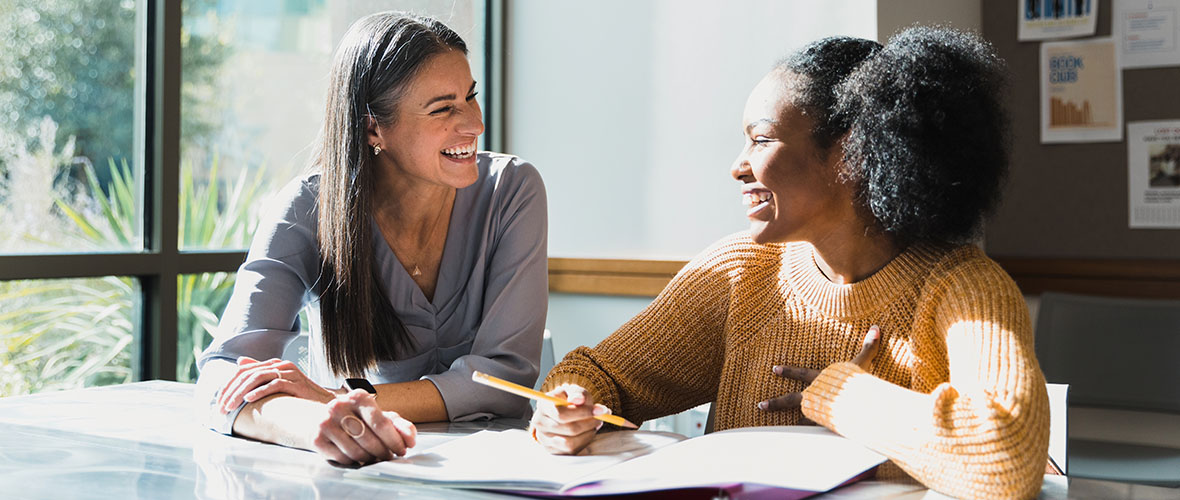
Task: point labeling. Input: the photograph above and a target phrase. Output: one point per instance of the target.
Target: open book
(778, 462)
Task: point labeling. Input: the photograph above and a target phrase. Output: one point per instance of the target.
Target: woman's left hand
(864, 359)
(255, 380)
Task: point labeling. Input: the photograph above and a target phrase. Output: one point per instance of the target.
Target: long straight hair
(372, 68)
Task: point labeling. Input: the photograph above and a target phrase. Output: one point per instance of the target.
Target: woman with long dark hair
(856, 300)
(418, 259)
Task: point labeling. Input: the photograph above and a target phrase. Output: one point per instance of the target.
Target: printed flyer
(1147, 31)
(1081, 92)
(1153, 174)
(1047, 19)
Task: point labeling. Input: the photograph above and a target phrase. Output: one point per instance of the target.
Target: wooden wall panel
(1112, 277)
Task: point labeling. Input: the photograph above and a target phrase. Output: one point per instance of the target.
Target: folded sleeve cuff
(596, 389)
(467, 400)
(223, 424)
(821, 397)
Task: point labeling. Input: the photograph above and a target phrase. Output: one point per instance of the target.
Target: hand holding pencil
(521, 390)
(566, 418)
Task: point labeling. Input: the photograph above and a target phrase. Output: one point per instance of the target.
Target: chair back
(1059, 427)
(1114, 352)
(548, 359)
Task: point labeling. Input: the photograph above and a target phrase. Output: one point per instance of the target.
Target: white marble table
(141, 441)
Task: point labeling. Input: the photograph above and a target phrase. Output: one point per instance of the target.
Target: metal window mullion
(97, 265)
(157, 358)
(50, 266)
(494, 72)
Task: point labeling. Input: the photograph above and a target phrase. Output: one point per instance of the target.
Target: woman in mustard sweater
(855, 300)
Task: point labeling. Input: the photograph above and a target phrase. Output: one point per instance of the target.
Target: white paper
(510, 459)
(1153, 174)
(1048, 19)
(806, 458)
(1147, 32)
(1081, 92)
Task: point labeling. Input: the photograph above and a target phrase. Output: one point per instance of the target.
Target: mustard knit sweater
(955, 397)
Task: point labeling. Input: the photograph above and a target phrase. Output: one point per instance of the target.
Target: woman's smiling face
(789, 184)
(434, 135)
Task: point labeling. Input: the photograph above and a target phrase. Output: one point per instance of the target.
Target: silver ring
(348, 431)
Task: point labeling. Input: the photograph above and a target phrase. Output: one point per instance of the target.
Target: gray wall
(893, 15)
(1070, 200)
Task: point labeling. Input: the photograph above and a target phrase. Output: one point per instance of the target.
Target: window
(71, 180)
(139, 140)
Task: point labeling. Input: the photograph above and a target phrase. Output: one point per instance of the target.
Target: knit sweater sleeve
(981, 433)
(667, 358)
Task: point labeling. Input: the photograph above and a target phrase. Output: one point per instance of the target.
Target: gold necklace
(433, 230)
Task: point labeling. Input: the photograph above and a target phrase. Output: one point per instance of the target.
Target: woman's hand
(793, 400)
(356, 431)
(255, 380)
(567, 430)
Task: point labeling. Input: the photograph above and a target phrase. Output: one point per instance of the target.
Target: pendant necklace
(418, 271)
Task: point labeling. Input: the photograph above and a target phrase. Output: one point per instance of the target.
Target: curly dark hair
(922, 124)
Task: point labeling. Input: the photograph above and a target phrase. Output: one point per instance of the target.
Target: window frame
(160, 263)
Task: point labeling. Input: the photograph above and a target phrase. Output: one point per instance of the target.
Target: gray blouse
(489, 306)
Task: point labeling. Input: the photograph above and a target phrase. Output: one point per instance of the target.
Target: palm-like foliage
(118, 209)
(73, 333)
(63, 334)
(60, 334)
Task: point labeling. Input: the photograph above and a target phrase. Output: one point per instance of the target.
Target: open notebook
(773, 462)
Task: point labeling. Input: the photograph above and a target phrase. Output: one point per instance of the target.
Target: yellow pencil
(521, 390)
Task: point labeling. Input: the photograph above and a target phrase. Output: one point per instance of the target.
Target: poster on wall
(1147, 32)
(1047, 19)
(1081, 92)
(1153, 174)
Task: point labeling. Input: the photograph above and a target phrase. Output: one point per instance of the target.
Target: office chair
(1121, 359)
(548, 359)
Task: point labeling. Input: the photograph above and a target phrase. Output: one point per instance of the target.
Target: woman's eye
(444, 109)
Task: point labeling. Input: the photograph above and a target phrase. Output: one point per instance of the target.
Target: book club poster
(1081, 92)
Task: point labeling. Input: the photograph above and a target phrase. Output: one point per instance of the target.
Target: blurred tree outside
(74, 62)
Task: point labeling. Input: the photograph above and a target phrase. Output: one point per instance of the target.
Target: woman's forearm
(281, 419)
(416, 401)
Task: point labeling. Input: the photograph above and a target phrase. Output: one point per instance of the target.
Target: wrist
(327, 395)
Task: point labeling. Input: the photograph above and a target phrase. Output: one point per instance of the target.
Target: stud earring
(376, 149)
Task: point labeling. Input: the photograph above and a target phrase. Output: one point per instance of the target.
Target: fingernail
(599, 410)
(763, 405)
(778, 370)
(599, 426)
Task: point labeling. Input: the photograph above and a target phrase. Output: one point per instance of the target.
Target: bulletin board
(1063, 222)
